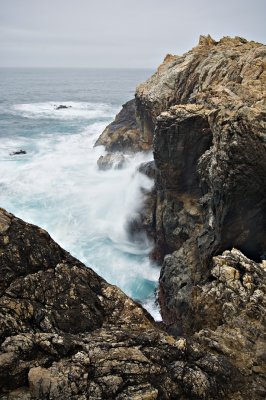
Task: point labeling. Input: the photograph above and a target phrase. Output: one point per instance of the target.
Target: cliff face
(206, 112)
(210, 155)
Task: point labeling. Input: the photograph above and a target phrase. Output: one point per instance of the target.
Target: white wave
(59, 187)
(74, 110)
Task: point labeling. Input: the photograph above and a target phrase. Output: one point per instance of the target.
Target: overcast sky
(118, 33)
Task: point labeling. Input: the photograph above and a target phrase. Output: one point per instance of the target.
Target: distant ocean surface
(57, 184)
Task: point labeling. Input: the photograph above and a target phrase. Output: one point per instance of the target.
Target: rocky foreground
(65, 333)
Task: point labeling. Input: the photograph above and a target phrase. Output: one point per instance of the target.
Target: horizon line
(72, 67)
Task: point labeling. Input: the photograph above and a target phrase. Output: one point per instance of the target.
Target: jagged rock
(123, 134)
(111, 160)
(65, 333)
(206, 111)
(228, 71)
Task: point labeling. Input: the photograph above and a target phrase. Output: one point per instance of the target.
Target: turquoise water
(57, 184)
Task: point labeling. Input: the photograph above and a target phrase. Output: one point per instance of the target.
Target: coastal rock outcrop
(210, 156)
(18, 152)
(65, 333)
(206, 112)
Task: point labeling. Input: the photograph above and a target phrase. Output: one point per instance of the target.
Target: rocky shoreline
(67, 334)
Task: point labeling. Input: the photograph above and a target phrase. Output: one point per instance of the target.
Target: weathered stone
(111, 160)
(124, 134)
(66, 333)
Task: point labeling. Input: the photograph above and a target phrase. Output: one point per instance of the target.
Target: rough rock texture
(211, 161)
(206, 111)
(231, 70)
(67, 334)
(123, 134)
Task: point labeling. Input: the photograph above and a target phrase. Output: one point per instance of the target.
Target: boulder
(123, 134)
(111, 160)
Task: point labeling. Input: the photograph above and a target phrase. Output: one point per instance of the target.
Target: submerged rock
(18, 152)
(62, 107)
(111, 160)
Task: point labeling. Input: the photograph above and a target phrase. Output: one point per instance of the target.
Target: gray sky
(118, 33)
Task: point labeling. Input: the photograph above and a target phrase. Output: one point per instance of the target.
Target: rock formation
(18, 152)
(123, 134)
(111, 160)
(65, 333)
(210, 155)
(206, 112)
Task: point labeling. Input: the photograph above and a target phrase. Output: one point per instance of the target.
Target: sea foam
(74, 110)
(58, 186)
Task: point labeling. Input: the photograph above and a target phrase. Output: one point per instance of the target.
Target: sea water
(57, 184)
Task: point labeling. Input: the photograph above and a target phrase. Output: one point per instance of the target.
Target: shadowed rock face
(65, 333)
(123, 134)
(206, 111)
(208, 114)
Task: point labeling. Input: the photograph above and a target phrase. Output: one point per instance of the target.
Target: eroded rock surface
(211, 161)
(206, 112)
(65, 333)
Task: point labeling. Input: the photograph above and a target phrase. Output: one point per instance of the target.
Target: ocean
(57, 184)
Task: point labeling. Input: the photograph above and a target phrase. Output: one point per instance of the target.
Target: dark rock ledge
(65, 333)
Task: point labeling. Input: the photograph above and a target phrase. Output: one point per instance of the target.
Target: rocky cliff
(206, 113)
(208, 110)
(65, 333)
